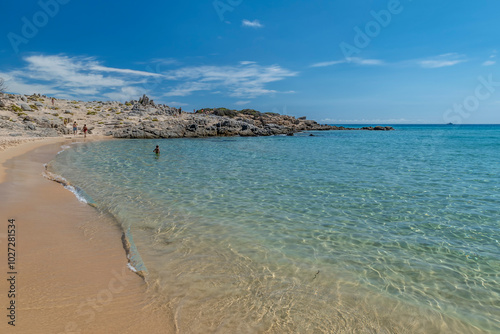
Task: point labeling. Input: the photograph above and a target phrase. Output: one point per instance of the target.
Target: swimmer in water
(157, 149)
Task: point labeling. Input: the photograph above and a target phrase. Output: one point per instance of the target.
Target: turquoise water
(341, 232)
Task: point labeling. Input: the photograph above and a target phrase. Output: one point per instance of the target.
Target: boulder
(2, 104)
(25, 107)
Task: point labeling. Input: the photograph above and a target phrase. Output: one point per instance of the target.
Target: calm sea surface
(341, 232)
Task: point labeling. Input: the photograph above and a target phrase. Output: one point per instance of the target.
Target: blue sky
(333, 61)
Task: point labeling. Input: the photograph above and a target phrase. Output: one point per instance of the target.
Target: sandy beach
(70, 273)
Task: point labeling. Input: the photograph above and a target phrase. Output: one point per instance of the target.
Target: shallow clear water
(346, 231)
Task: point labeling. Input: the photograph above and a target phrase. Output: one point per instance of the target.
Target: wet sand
(71, 268)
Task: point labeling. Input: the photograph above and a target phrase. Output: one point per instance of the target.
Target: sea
(320, 232)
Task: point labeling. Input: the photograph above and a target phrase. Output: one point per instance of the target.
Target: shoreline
(72, 272)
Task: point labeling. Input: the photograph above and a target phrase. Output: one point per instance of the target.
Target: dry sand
(71, 269)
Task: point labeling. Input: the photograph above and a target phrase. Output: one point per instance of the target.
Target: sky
(337, 61)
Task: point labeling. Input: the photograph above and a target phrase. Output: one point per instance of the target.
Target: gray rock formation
(25, 107)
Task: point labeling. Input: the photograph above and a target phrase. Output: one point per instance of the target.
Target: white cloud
(492, 60)
(353, 60)
(241, 103)
(124, 71)
(489, 63)
(187, 88)
(368, 62)
(444, 60)
(124, 94)
(247, 79)
(252, 24)
(16, 85)
(87, 78)
(176, 104)
(328, 63)
(77, 77)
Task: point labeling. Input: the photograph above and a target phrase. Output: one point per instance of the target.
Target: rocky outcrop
(39, 115)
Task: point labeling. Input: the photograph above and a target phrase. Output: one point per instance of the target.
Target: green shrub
(91, 113)
(128, 104)
(55, 114)
(251, 112)
(204, 110)
(225, 112)
(16, 108)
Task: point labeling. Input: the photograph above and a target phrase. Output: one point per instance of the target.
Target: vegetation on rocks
(144, 119)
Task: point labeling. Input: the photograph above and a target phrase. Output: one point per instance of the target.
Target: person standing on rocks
(53, 101)
(85, 130)
(75, 128)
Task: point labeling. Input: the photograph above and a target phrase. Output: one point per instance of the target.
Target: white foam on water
(64, 147)
(59, 179)
(131, 267)
(76, 193)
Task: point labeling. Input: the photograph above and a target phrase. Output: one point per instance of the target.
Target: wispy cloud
(444, 60)
(252, 24)
(76, 77)
(492, 60)
(123, 71)
(328, 63)
(241, 103)
(352, 60)
(176, 104)
(247, 79)
(85, 77)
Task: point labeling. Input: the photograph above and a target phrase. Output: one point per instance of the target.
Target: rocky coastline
(41, 116)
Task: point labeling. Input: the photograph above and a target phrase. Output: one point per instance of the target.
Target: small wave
(131, 267)
(64, 147)
(135, 262)
(77, 191)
